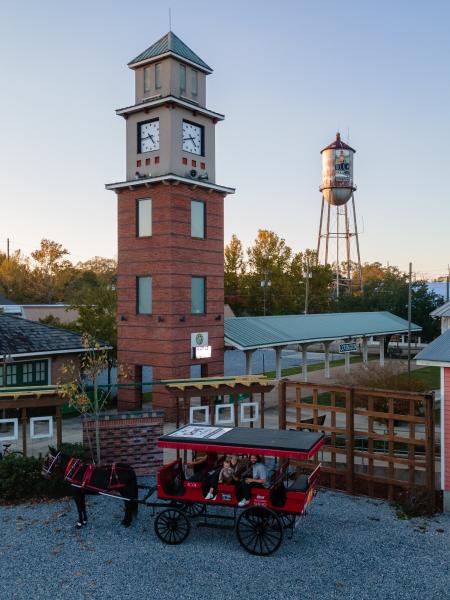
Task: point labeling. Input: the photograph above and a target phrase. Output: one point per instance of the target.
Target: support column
(327, 359)
(347, 362)
(381, 340)
(278, 351)
(364, 351)
(304, 362)
(248, 362)
(24, 430)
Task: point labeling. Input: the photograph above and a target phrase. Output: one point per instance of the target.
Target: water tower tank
(337, 172)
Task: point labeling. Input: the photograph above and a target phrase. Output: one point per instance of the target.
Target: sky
(287, 75)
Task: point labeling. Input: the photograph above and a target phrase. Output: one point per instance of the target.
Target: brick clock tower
(170, 226)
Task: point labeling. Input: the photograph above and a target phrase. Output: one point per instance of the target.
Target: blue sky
(287, 75)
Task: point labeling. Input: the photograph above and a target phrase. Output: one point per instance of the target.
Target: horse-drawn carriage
(272, 508)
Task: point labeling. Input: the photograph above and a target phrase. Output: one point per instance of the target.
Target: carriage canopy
(298, 445)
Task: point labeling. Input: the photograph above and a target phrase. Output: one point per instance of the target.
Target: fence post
(282, 404)
(350, 428)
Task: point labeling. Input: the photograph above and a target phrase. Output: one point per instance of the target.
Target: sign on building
(199, 339)
(348, 347)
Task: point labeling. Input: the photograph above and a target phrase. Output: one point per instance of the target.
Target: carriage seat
(300, 484)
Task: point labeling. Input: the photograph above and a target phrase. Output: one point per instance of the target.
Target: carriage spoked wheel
(287, 519)
(172, 526)
(192, 509)
(259, 530)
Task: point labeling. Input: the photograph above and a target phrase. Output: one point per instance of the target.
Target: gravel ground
(346, 547)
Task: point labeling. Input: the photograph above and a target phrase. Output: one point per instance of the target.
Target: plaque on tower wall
(199, 339)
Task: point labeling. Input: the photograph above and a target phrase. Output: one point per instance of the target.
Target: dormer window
(146, 79)
(194, 82)
(158, 76)
(182, 79)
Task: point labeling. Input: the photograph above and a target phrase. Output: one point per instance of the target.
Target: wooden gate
(379, 443)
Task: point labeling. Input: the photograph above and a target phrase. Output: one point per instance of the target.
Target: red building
(170, 225)
(437, 354)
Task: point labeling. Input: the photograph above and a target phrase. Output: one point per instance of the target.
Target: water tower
(338, 242)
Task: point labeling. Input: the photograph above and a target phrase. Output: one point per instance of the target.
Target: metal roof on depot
(170, 43)
(247, 333)
(437, 351)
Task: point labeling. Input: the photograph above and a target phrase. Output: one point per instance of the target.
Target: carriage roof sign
(243, 440)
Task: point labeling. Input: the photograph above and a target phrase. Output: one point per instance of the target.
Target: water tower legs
(340, 224)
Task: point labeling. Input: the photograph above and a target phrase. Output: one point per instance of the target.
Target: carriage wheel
(287, 519)
(192, 509)
(259, 530)
(172, 526)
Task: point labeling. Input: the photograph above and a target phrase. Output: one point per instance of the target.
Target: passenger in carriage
(224, 475)
(203, 463)
(254, 476)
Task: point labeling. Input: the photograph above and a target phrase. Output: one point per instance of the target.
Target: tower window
(197, 219)
(198, 289)
(144, 295)
(144, 217)
(182, 79)
(146, 79)
(194, 82)
(158, 76)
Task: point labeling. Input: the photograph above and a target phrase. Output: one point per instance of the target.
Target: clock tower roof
(169, 45)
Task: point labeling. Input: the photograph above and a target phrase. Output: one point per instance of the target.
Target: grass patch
(317, 366)
(429, 376)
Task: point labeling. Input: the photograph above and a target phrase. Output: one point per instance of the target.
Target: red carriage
(272, 508)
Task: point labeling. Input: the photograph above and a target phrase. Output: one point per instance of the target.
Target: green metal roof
(248, 333)
(170, 43)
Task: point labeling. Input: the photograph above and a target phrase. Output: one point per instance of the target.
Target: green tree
(269, 260)
(386, 288)
(16, 282)
(52, 272)
(234, 274)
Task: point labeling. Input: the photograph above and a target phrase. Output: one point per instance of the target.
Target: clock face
(148, 136)
(192, 138)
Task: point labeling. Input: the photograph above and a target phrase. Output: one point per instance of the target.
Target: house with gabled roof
(32, 354)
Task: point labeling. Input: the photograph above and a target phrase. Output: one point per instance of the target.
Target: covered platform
(252, 333)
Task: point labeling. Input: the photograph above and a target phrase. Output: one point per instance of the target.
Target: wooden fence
(379, 443)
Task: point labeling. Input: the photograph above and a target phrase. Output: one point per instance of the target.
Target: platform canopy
(251, 333)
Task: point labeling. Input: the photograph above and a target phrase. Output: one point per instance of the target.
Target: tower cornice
(162, 100)
(167, 179)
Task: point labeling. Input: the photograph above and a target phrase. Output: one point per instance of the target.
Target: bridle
(55, 460)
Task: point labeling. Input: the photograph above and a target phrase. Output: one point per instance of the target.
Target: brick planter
(128, 438)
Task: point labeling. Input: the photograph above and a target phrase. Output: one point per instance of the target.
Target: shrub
(390, 377)
(416, 502)
(21, 479)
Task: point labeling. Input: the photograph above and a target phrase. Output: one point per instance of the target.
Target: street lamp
(265, 283)
(307, 275)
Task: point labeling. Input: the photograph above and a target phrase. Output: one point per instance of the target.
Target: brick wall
(128, 438)
(446, 442)
(171, 256)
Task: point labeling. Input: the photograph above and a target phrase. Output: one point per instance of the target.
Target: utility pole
(307, 275)
(265, 283)
(409, 322)
(7, 248)
(448, 282)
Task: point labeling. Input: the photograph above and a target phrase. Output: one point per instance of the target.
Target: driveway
(346, 547)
